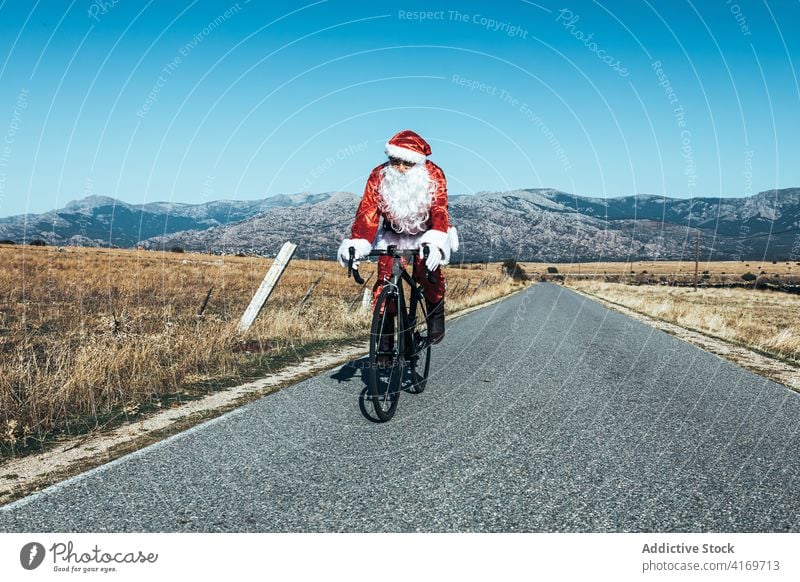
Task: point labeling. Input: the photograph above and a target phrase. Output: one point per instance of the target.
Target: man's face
(400, 165)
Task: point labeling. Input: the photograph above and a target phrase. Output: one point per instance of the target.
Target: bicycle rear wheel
(420, 349)
(385, 369)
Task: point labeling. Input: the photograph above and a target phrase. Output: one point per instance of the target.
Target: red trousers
(433, 292)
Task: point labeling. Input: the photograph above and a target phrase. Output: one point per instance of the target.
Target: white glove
(362, 246)
(435, 257)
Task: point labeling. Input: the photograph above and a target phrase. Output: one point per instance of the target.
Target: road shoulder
(759, 363)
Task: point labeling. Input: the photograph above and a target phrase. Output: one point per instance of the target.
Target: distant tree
(176, 249)
(7, 241)
(37, 242)
(513, 270)
(552, 270)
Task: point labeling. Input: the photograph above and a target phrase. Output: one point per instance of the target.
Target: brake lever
(426, 250)
(353, 271)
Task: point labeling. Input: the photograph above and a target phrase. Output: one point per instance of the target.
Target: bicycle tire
(384, 380)
(420, 349)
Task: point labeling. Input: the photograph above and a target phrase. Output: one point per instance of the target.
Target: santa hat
(408, 146)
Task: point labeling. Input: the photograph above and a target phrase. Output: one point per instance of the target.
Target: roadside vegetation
(763, 319)
(91, 337)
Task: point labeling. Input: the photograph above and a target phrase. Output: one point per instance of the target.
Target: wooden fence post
(308, 293)
(480, 284)
(202, 309)
(267, 285)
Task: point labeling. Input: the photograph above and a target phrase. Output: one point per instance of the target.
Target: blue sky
(196, 101)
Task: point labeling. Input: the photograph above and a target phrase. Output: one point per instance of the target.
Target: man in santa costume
(405, 204)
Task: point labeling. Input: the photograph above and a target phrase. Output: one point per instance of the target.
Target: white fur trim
(435, 237)
(438, 239)
(452, 236)
(362, 246)
(407, 155)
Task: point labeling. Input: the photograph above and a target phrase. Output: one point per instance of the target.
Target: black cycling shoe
(435, 321)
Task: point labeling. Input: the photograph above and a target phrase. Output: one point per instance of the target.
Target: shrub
(37, 242)
(552, 270)
(513, 270)
(749, 277)
(176, 249)
(7, 241)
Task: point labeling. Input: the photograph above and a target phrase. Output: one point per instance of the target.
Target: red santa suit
(406, 209)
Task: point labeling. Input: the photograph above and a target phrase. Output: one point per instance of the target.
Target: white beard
(406, 198)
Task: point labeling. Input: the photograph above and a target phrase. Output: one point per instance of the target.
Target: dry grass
(670, 268)
(88, 336)
(766, 320)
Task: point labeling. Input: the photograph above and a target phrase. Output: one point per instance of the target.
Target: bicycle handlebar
(391, 251)
(426, 250)
(351, 270)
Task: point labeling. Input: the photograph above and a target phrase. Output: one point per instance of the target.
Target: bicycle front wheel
(420, 348)
(385, 369)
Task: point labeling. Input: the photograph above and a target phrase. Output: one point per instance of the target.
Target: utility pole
(696, 257)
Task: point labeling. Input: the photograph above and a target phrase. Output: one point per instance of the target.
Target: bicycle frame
(406, 321)
(412, 348)
(406, 318)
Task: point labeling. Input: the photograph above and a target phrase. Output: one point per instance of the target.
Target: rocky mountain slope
(533, 224)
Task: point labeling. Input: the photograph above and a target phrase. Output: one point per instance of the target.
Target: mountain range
(537, 224)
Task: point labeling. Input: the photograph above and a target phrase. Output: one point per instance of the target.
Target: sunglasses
(398, 162)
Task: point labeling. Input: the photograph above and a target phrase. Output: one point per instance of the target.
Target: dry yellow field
(89, 336)
(766, 320)
(683, 268)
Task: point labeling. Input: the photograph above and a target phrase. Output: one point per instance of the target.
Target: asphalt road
(545, 412)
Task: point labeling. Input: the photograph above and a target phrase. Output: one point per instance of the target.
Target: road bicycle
(398, 340)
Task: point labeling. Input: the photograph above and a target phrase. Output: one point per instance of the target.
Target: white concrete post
(267, 285)
(366, 300)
